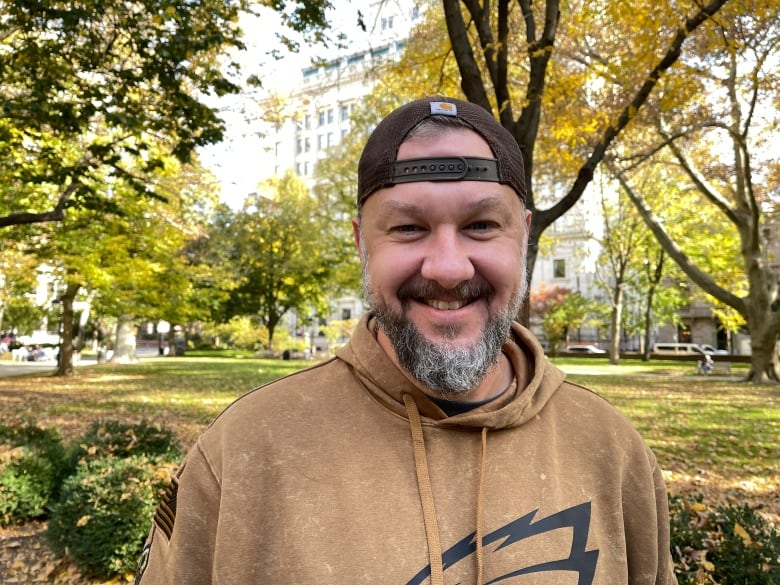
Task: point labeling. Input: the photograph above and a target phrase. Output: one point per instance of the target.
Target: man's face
(444, 266)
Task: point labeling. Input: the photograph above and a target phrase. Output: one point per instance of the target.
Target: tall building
(313, 114)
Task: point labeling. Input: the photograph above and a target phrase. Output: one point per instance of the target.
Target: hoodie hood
(536, 381)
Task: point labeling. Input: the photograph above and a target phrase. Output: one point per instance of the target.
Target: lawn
(712, 435)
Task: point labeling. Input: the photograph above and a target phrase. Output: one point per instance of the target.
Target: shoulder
(318, 382)
(595, 417)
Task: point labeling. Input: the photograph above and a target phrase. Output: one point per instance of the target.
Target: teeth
(444, 305)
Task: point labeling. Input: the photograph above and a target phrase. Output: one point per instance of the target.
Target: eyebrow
(489, 203)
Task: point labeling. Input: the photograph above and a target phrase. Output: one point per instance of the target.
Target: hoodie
(347, 473)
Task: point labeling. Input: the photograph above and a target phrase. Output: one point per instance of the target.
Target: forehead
(446, 141)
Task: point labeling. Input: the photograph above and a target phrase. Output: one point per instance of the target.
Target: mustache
(467, 290)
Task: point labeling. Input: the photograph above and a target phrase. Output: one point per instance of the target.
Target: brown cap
(379, 169)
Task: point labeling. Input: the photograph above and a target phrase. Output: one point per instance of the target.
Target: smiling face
(444, 267)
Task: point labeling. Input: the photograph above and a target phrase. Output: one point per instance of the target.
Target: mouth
(445, 305)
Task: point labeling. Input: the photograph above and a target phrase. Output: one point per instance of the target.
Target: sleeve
(180, 546)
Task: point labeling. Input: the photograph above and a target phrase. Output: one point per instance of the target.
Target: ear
(356, 236)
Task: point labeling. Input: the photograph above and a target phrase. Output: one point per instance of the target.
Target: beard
(448, 368)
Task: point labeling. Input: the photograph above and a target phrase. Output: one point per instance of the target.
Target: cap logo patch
(444, 108)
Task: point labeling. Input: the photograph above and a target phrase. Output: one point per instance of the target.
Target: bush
(118, 439)
(105, 512)
(32, 468)
(728, 544)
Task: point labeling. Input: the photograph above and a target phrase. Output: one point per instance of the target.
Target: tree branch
(585, 175)
(56, 214)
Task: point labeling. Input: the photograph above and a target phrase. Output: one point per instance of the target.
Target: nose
(446, 261)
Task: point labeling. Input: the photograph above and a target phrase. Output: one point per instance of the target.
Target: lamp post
(163, 327)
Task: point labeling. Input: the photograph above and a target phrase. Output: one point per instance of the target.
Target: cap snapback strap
(453, 168)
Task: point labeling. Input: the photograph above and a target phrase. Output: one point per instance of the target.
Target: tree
(580, 88)
(721, 150)
(127, 261)
(621, 244)
(560, 310)
(87, 87)
(17, 275)
(283, 253)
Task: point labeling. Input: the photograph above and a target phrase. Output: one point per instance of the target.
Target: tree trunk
(614, 326)
(764, 366)
(65, 353)
(648, 324)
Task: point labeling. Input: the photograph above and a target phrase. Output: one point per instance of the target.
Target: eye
(407, 229)
(482, 226)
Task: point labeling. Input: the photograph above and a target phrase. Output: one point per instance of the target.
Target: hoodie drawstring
(481, 506)
(426, 492)
(426, 497)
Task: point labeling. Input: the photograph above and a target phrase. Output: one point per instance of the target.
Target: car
(687, 349)
(584, 349)
(713, 351)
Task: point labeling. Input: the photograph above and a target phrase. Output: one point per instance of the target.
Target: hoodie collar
(537, 380)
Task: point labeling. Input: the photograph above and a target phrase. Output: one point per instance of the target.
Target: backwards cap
(378, 167)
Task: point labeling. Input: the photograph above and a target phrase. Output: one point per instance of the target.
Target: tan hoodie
(346, 473)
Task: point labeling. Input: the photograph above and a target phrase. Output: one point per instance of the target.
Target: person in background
(439, 445)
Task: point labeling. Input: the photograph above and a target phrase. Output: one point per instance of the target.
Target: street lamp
(163, 327)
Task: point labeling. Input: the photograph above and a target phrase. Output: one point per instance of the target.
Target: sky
(234, 161)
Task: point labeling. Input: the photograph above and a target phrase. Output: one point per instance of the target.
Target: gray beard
(448, 369)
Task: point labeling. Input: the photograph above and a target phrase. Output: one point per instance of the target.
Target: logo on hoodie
(548, 545)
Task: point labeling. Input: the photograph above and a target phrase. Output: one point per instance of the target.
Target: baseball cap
(378, 167)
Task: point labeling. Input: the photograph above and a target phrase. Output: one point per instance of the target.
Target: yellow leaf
(699, 507)
(742, 533)
(82, 521)
(708, 566)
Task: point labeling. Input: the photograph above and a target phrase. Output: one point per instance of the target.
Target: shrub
(728, 544)
(32, 468)
(105, 512)
(118, 439)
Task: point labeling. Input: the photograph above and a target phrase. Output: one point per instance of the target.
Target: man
(439, 445)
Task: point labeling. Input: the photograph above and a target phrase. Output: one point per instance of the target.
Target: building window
(298, 146)
(320, 142)
(330, 115)
(559, 268)
(330, 140)
(344, 113)
(307, 122)
(322, 118)
(346, 314)
(307, 145)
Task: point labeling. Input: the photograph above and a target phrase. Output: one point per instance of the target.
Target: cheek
(389, 268)
(502, 269)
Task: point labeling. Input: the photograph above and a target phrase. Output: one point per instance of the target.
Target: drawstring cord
(481, 506)
(426, 492)
(426, 497)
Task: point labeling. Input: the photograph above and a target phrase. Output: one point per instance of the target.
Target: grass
(711, 434)
(715, 436)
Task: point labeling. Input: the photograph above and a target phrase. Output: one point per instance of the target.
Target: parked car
(584, 349)
(712, 350)
(687, 349)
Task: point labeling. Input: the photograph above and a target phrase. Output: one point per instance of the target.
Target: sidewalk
(9, 368)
